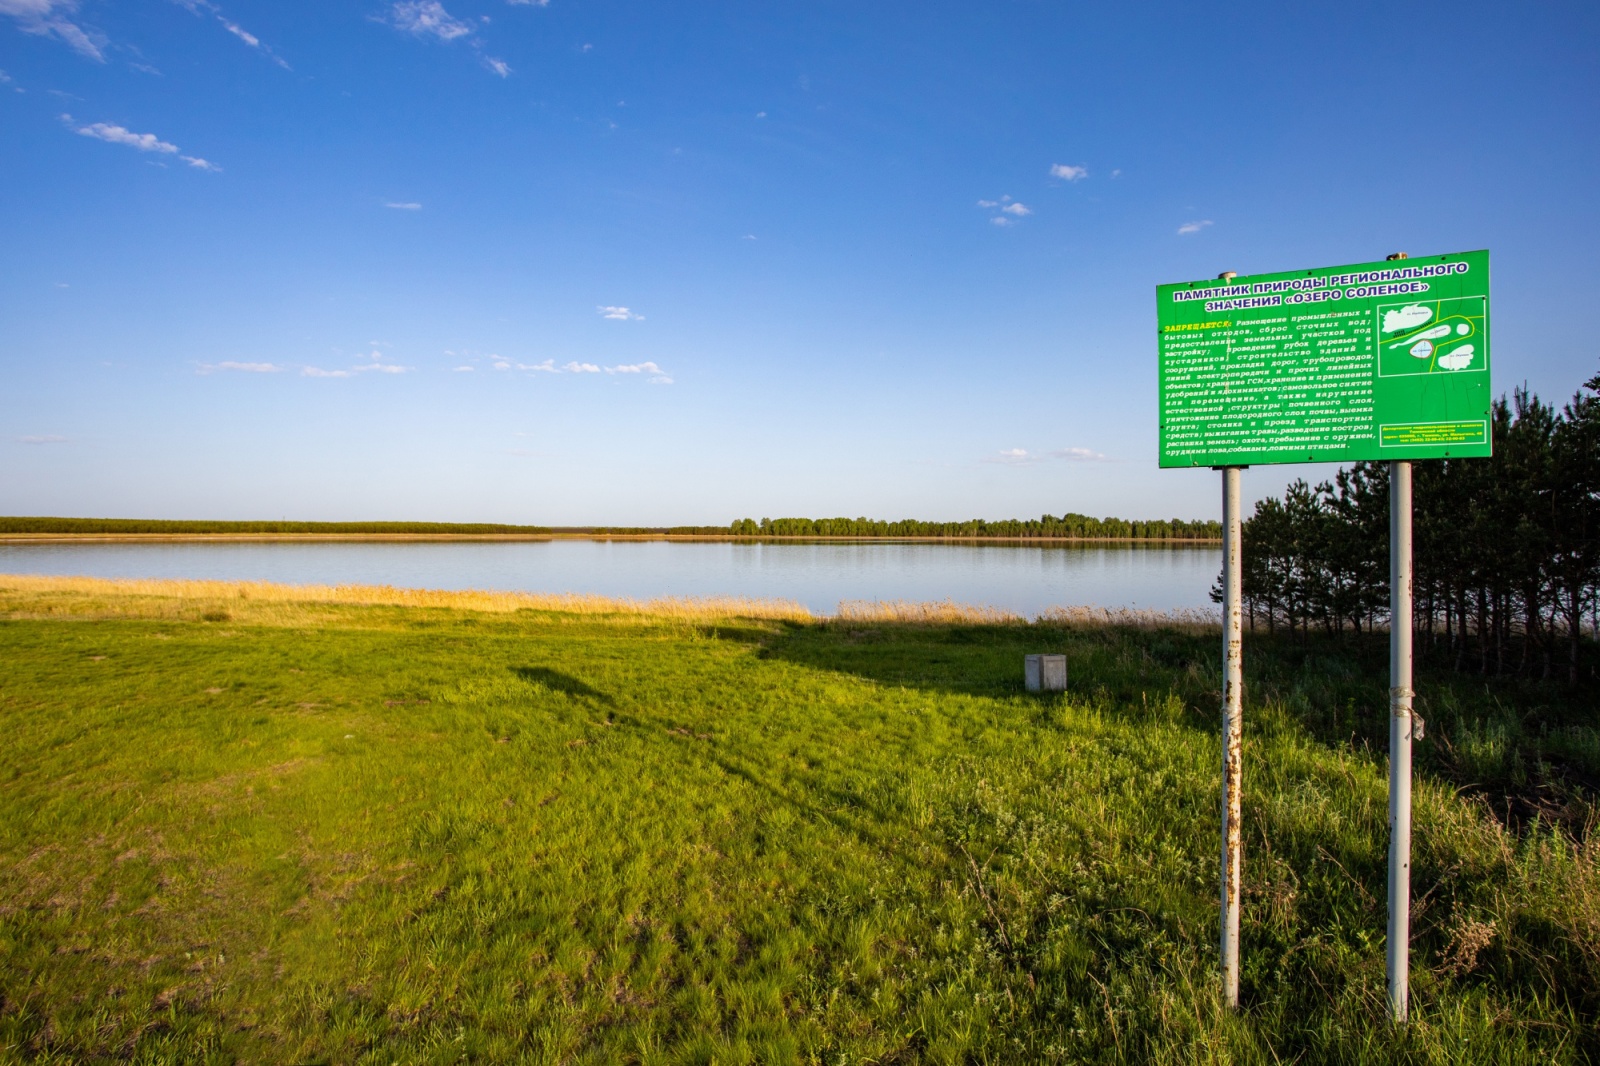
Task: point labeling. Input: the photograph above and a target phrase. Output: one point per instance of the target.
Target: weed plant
(257, 829)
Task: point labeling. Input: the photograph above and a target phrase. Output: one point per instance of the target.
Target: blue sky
(618, 262)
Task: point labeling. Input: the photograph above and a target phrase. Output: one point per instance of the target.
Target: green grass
(402, 835)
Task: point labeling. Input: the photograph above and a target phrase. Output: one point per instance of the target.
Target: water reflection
(1022, 578)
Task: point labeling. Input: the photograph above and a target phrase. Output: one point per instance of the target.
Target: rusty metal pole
(1401, 722)
(1232, 726)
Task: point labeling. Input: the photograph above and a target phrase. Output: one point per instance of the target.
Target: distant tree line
(1047, 527)
(190, 527)
(1070, 526)
(1506, 551)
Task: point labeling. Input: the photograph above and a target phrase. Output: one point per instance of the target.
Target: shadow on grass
(564, 683)
(1529, 747)
(1116, 664)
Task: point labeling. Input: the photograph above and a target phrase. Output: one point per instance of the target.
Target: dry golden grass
(1130, 616)
(949, 612)
(236, 596)
(946, 611)
(264, 601)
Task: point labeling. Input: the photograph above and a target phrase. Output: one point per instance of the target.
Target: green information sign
(1376, 361)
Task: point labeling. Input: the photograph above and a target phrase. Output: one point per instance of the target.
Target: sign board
(1374, 361)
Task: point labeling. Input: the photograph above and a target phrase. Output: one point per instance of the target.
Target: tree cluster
(1047, 527)
(1506, 550)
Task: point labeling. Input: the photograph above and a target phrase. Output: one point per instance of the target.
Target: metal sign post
(1400, 733)
(1232, 727)
(1377, 362)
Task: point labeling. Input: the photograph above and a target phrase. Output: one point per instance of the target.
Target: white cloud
(580, 368)
(205, 7)
(619, 314)
(501, 364)
(426, 17)
(761, 114)
(462, 369)
(1116, 173)
(105, 131)
(1005, 206)
(529, 3)
(661, 379)
(546, 367)
(48, 18)
(247, 368)
(1193, 227)
(748, 237)
(376, 366)
(1021, 456)
(403, 206)
(243, 34)
(634, 368)
(47, 439)
(144, 142)
(1067, 172)
(499, 66)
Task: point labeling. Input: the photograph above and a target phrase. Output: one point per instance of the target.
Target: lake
(1025, 579)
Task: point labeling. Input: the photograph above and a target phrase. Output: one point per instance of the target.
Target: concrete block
(1045, 673)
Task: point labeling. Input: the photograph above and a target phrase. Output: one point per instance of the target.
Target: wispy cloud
(49, 18)
(205, 7)
(377, 366)
(463, 369)
(46, 439)
(619, 314)
(1193, 227)
(1067, 172)
(1007, 210)
(648, 369)
(1022, 456)
(144, 142)
(105, 131)
(427, 18)
(529, 3)
(247, 368)
(403, 206)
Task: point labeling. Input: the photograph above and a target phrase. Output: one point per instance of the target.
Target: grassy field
(247, 825)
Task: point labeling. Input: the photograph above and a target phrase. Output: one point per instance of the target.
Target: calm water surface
(1026, 580)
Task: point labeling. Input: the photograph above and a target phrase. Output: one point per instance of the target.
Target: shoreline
(709, 538)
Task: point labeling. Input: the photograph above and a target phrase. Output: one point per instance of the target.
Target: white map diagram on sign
(1432, 336)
